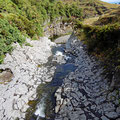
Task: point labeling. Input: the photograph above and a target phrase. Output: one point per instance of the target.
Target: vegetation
(92, 8)
(103, 39)
(109, 18)
(8, 35)
(20, 18)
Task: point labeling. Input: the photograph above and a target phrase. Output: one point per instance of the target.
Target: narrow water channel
(63, 61)
(82, 91)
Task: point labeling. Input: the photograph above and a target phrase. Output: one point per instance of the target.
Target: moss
(28, 44)
(39, 66)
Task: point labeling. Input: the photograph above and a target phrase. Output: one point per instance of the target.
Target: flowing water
(78, 90)
(63, 62)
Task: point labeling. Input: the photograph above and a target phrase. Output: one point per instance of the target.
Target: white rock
(23, 62)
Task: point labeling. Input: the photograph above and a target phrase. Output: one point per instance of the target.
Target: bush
(102, 38)
(104, 42)
(26, 17)
(8, 35)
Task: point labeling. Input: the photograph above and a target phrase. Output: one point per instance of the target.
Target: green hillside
(25, 18)
(20, 18)
(93, 8)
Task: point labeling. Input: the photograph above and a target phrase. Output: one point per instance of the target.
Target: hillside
(25, 18)
(93, 8)
(102, 37)
(109, 18)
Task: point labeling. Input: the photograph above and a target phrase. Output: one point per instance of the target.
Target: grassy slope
(93, 8)
(20, 18)
(102, 36)
(109, 18)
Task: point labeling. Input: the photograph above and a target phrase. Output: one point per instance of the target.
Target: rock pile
(84, 94)
(25, 63)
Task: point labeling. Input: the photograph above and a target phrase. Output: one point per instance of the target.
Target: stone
(82, 117)
(118, 110)
(111, 114)
(20, 68)
(57, 108)
(66, 118)
(6, 76)
(84, 88)
(104, 118)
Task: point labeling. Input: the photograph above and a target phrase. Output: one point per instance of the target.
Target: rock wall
(25, 63)
(58, 28)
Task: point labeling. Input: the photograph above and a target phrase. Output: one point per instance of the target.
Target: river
(78, 90)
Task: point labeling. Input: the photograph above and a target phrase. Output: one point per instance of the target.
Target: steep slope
(109, 18)
(102, 36)
(93, 8)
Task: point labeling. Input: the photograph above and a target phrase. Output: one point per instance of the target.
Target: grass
(109, 18)
(25, 18)
(102, 37)
(90, 21)
(91, 8)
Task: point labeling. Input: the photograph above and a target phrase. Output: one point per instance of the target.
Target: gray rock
(62, 39)
(23, 62)
(104, 118)
(85, 88)
(111, 115)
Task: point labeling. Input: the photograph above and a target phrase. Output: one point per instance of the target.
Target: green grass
(91, 8)
(109, 18)
(20, 18)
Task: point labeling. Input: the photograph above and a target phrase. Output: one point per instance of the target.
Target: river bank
(61, 74)
(85, 94)
(25, 64)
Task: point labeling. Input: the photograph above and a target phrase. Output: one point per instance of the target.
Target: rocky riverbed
(64, 72)
(22, 72)
(85, 93)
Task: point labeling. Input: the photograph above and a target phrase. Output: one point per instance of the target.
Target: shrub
(26, 17)
(102, 38)
(8, 35)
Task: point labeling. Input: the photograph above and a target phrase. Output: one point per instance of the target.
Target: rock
(85, 88)
(111, 115)
(6, 76)
(83, 117)
(104, 118)
(20, 72)
(62, 39)
(118, 119)
(57, 108)
(118, 110)
(66, 118)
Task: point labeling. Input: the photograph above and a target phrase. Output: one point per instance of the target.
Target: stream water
(63, 62)
(82, 91)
